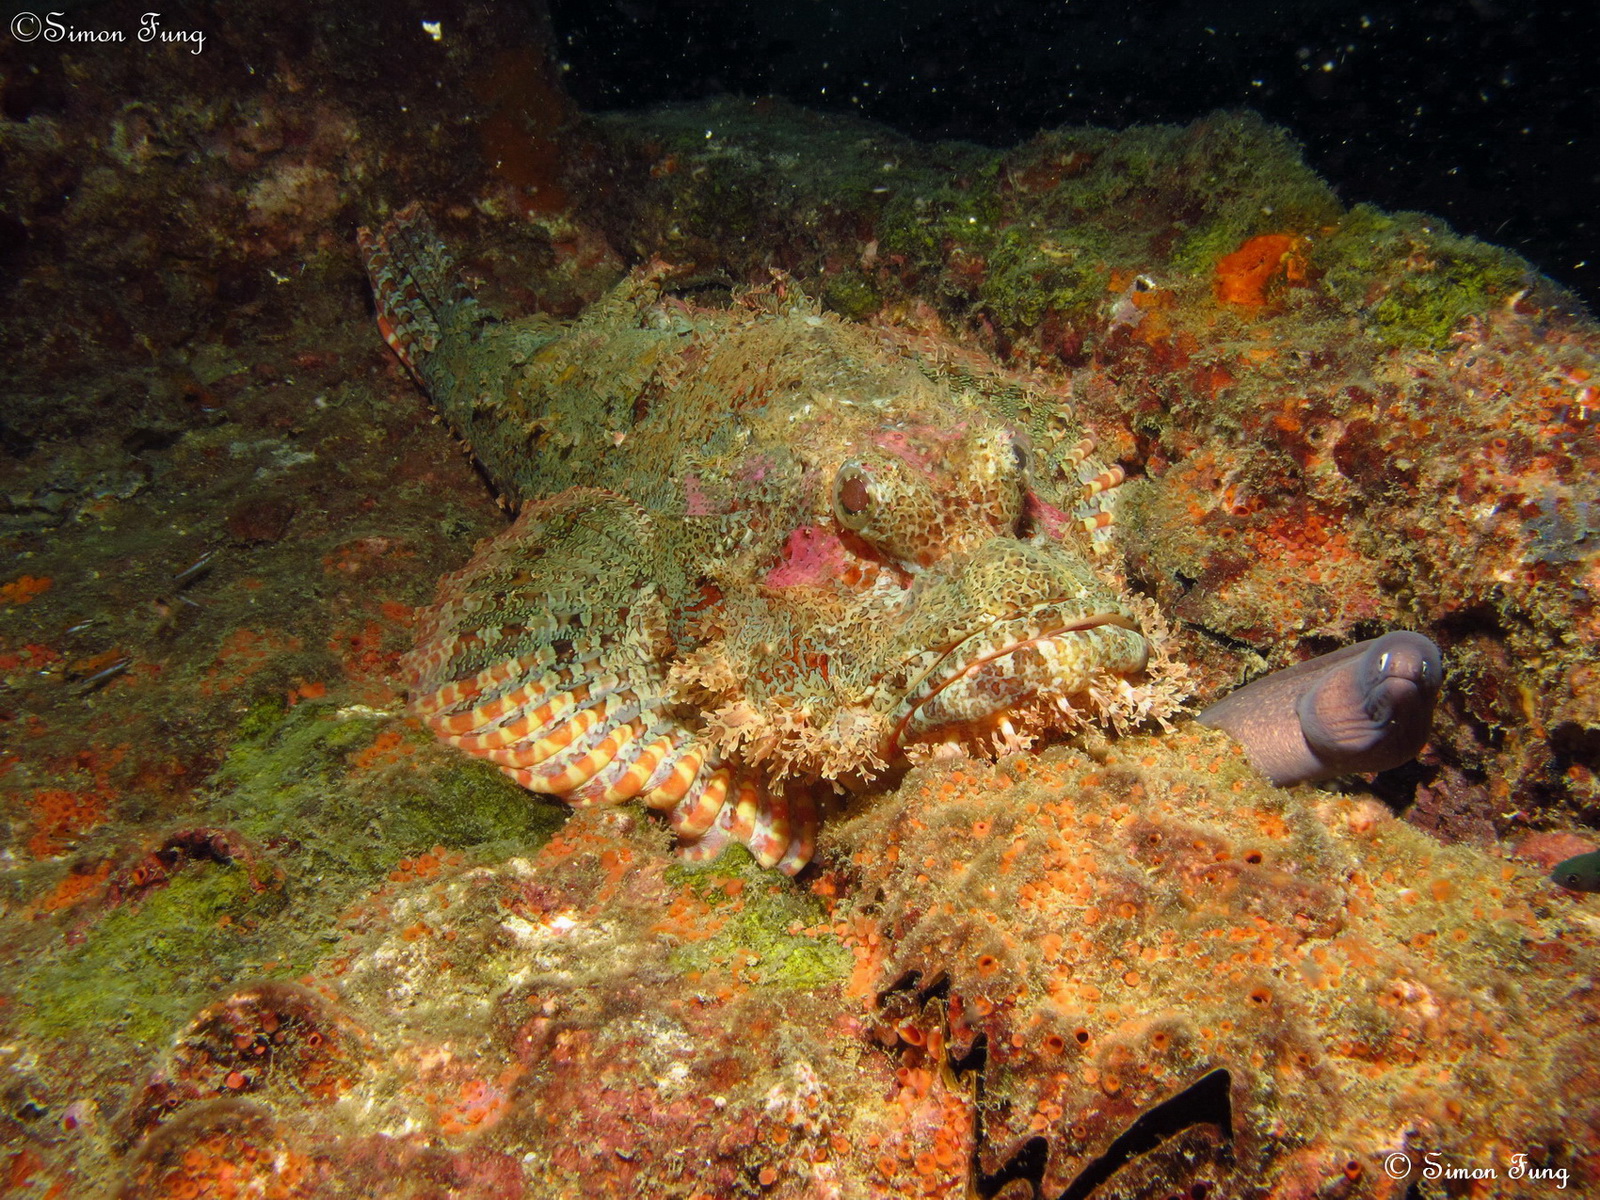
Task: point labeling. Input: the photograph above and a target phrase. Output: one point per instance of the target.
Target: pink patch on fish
(697, 503)
(813, 556)
(1047, 516)
(921, 447)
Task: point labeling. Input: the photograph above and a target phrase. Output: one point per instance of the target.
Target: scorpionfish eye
(893, 505)
(852, 496)
(923, 493)
(1021, 457)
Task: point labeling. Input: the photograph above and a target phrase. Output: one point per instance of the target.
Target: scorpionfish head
(918, 602)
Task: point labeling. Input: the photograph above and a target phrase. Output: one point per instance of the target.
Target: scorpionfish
(762, 557)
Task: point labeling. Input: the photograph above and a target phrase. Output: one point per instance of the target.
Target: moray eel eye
(852, 496)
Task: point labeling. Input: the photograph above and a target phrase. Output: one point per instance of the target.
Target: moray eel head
(1367, 707)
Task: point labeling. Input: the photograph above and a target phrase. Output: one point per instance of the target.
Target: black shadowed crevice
(1204, 1102)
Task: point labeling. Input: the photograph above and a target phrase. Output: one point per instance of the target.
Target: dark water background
(1481, 111)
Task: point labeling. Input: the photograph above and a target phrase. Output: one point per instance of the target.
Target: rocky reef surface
(261, 936)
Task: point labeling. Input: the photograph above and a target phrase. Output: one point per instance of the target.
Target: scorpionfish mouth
(1016, 639)
(1019, 676)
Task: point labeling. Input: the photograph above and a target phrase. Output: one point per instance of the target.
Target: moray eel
(1580, 873)
(1367, 707)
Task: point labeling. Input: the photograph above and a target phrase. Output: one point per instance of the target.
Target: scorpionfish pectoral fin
(548, 656)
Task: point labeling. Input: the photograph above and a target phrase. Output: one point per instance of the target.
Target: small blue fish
(1580, 873)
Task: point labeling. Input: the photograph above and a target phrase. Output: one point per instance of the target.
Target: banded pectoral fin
(417, 289)
(776, 823)
(590, 737)
(547, 655)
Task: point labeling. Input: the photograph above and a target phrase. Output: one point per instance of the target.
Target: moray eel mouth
(1016, 677)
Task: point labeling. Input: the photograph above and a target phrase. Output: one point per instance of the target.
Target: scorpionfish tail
(416, 285)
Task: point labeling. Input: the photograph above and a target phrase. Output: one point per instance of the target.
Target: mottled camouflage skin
(762, 550)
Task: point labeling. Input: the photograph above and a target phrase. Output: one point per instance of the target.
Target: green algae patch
(146, 967)
(1030, 277)
(1197, 252)
(1412, 278)
(757, 923)
(851, 295)
(926, 219)
(467, 805)
(1245, 177)
(264, 716)
(349, 795)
